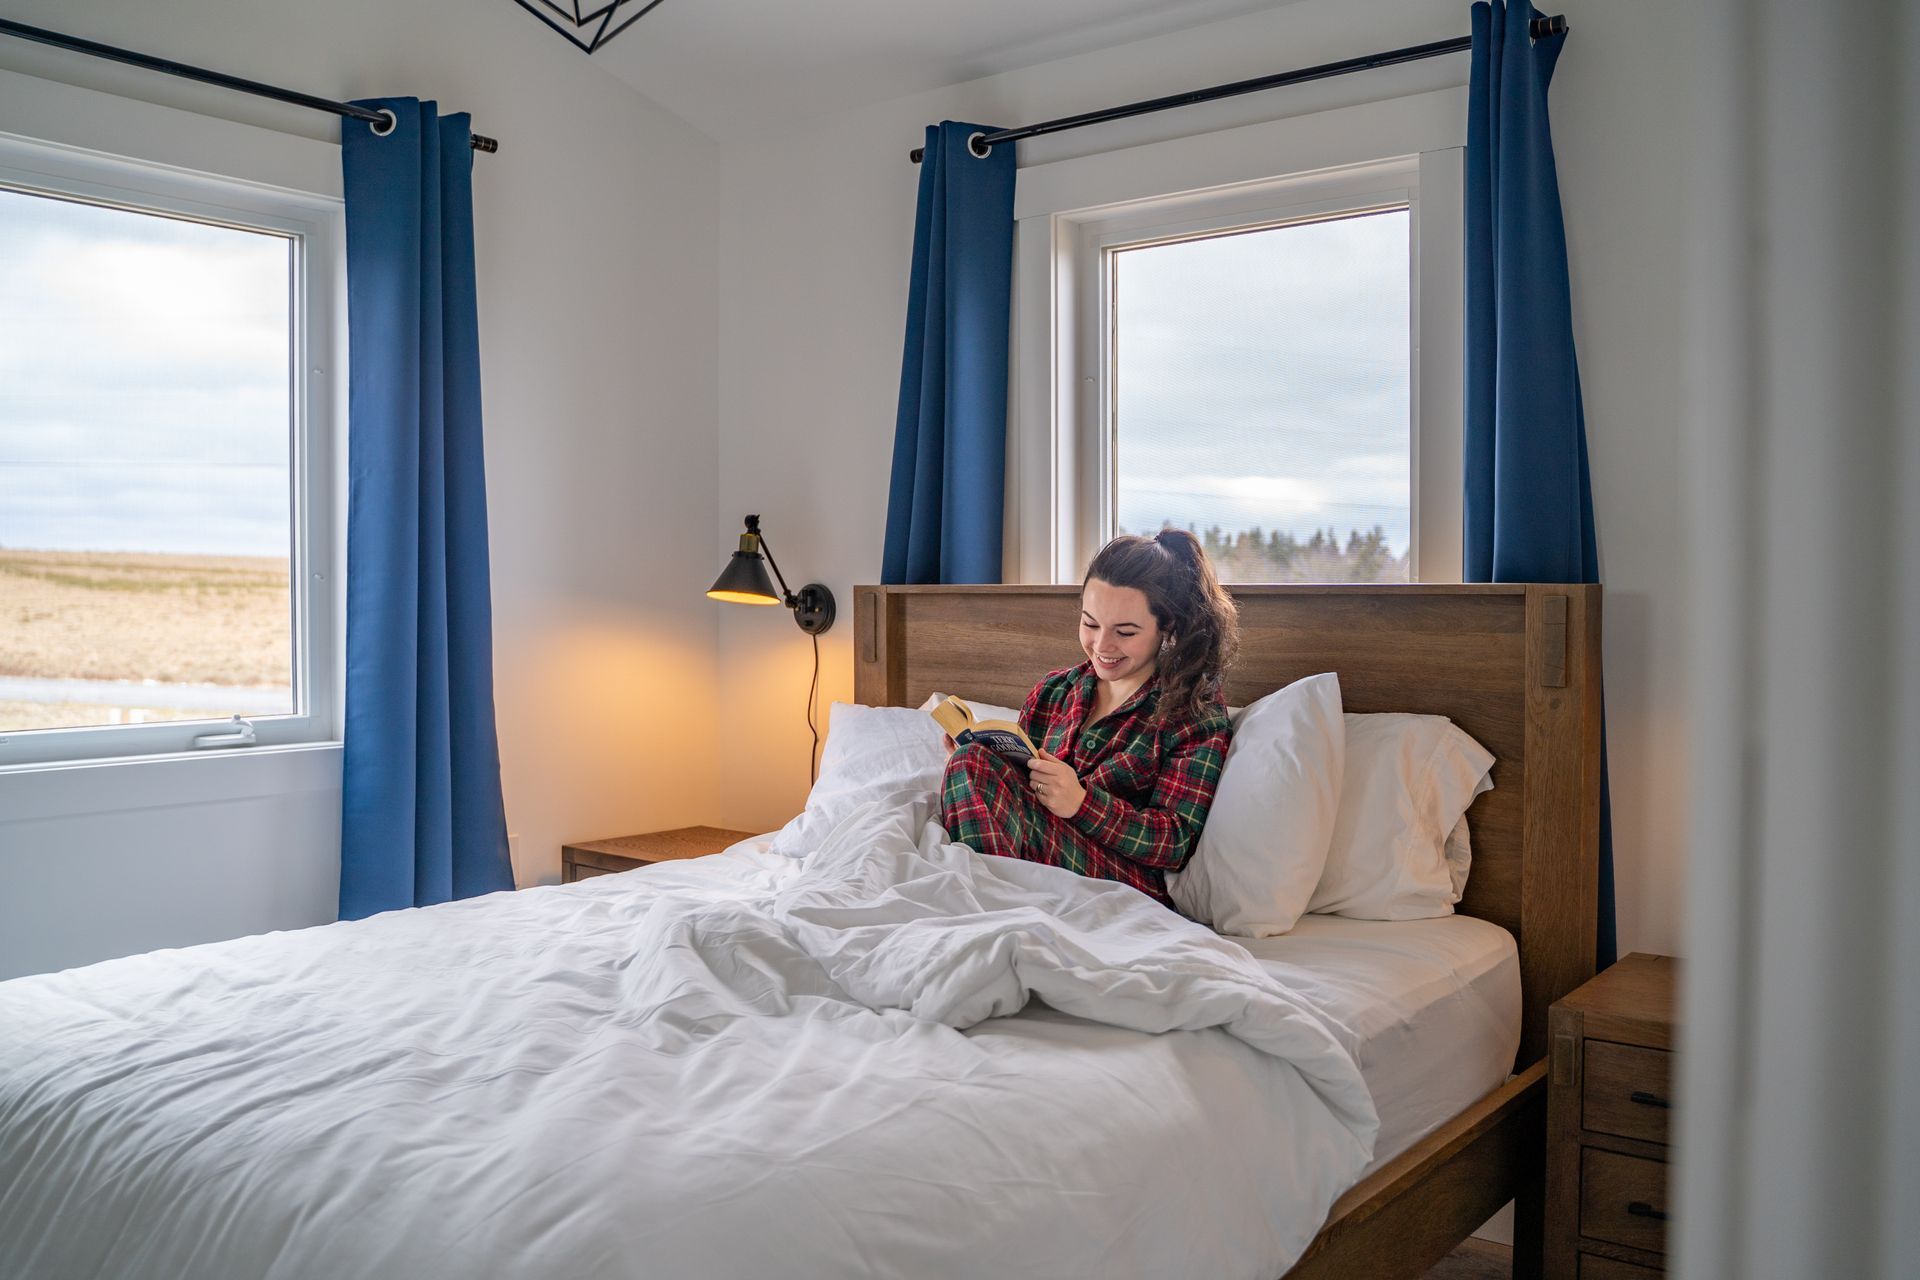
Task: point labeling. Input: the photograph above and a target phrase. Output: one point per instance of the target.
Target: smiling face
(1118, 631)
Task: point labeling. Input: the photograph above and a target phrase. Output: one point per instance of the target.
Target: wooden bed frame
(1518, 667)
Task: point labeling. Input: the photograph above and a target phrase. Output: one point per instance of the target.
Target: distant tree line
(1256, 555)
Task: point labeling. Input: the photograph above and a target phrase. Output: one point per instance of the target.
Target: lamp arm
(786, 593)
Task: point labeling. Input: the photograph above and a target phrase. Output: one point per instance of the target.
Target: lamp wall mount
(813, 608)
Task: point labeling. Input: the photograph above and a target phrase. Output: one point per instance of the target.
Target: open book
(1003, 737)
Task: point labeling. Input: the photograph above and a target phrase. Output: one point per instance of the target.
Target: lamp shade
(744, 580)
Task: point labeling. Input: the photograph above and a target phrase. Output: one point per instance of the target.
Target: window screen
(145, 442)
(1260, 395)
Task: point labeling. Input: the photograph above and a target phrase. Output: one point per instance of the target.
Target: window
(1258, 395)
(166, 461)
(1253, 333)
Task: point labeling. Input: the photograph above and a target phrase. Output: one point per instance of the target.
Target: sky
(143, 382)
(1263, 379)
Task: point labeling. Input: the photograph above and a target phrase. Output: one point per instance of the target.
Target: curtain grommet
(393, 122)
(976, 147)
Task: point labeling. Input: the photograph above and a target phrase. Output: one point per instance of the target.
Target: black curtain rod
(168, 67)
(981, 144)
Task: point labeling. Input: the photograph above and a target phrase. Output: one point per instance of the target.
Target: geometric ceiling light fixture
(601, 19)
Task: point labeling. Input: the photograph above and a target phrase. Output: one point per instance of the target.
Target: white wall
(610, 357)
(815, 235)
(595, 252)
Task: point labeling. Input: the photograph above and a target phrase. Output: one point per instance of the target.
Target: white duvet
(733, 1067)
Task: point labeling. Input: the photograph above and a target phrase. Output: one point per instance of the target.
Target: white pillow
(871, 753)
(1409, 780)
(1261, 852)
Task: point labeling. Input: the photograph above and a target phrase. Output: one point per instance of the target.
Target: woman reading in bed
(1131, 740)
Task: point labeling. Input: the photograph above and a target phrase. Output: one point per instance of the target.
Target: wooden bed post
(1560, 883)
(874, 622)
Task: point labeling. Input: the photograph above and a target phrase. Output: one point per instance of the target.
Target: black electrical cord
(813, 694)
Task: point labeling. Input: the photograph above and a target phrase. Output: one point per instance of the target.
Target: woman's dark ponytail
(1199, 624)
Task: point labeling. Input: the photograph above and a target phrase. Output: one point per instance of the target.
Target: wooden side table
(1609, 1111)
(624, 853)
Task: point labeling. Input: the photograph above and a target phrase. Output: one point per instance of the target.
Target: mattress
(804, 1077)
(1430, 1009)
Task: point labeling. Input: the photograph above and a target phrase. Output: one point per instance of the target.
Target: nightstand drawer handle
(1646, 1099)
(1641, 1209)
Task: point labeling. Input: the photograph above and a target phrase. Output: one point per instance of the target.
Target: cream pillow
(1460, 850)
(1266, 836)
(1409, 779)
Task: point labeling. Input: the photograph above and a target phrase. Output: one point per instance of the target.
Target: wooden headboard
(1517, 666)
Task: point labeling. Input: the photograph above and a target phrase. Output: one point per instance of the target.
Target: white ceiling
(729, 66)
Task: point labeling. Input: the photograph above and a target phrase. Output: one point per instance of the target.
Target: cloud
(108, 507)
(1264, 379)
(144, 381)
(1341, 503)
(1288, 490)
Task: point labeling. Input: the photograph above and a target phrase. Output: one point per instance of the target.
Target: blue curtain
(1529, 504)
(946, 500)
(422, 819)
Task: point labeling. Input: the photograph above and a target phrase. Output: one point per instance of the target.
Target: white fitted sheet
(1431, 1009)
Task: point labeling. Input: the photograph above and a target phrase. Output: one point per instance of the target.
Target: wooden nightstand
(1609, 1112)
(624, 853)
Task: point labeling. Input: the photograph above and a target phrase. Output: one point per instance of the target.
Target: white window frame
(314, 220)
(1070, 215)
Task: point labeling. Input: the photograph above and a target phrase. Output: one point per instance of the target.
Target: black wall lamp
(744, 581)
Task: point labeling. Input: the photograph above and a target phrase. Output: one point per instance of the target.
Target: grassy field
(221, 620)
(16, 716)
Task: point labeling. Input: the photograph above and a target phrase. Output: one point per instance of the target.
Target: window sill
(32, 792)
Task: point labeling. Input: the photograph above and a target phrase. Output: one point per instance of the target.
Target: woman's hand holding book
(1056, 784)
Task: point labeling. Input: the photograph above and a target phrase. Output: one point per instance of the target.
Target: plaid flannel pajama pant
(987, 805)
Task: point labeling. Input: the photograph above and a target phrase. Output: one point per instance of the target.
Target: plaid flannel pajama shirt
(1148, 787)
